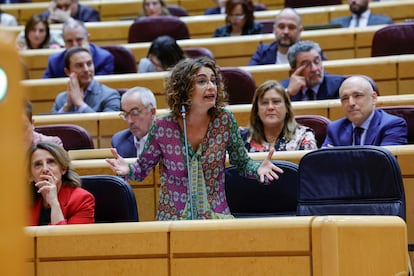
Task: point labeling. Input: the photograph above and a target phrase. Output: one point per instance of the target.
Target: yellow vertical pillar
(13, 196)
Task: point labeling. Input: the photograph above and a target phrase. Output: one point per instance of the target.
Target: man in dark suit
(287, 30)
(61, 11)
(220, 8)
(138, 107)
(361, 16)
(363, 123)
(84, 94)
(75, 34)
(308, 81)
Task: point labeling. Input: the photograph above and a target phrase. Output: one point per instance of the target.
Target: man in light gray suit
(361, 16)
(84, 94)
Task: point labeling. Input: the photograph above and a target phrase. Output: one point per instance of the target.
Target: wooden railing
(147, 191)
(287, 246)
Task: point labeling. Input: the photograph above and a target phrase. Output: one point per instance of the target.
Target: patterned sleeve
(308, 141)
(149, 157)
(237, 152)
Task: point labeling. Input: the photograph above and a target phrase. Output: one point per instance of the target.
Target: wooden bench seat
(392, 74)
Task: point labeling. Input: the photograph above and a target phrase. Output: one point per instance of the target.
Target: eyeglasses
(237, 16)
(134, 113)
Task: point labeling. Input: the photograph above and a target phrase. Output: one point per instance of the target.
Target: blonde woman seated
(272, 123)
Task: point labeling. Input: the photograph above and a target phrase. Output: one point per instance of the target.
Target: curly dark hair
(180, 84)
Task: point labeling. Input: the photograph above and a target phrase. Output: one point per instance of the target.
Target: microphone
(187, 156)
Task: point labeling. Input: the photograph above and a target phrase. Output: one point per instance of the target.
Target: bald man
(287, 30)
(363, 123)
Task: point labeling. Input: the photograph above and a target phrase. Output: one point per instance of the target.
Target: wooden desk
(291, 246)
(146, 193)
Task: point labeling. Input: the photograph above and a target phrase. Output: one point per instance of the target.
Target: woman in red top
(58, 197)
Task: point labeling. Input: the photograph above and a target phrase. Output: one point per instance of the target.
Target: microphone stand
(183, 114)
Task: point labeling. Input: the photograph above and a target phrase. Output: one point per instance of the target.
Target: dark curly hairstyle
(180, 84)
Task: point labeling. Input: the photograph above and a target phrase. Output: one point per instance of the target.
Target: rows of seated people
(266, 53)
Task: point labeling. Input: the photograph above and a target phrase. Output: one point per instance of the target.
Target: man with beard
(308, 81)
(287, 30)
(84, 94)
(363, 123)
(138, 109)
(361, 16)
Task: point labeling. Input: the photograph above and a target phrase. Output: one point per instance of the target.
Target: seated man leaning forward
(138, 107)
(363, 123)
(84, 94)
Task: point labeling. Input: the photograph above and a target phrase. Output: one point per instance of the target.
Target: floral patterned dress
(303, 139)
(166, 146)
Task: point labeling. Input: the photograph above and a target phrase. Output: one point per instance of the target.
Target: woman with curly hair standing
(193, 187)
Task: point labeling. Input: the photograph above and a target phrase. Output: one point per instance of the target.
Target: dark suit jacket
(103, 62)
(223, 31)
(101, 99)
(123, 141)
(77, 204)
(85, 14)
(215, 10)
(374, 19)
(384, 130)
(329, 88)
(266, 54)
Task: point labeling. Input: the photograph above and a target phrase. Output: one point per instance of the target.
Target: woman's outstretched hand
(118, 164)
(267, 170)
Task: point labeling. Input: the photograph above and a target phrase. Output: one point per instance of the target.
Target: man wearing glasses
(308, 81)
(138, 109)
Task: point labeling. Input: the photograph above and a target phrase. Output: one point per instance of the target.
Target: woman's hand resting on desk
(118, 164)
(267, 170)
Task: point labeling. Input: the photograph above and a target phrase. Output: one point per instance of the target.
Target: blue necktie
(310, 96)
(357, 135)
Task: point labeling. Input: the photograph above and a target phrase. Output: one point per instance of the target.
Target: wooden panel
(150, 266)
(145, 201)
(294, 266)
(247, 236)
(317, 246)
(343, 235)
(409, 193)
(107, 239)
